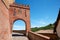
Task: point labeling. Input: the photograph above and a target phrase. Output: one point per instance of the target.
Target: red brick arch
(22, 20)
(19, 12)
(19, 19)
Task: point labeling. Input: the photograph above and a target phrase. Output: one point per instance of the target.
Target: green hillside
(50, 26)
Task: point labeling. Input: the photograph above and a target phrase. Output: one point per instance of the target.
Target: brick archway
(20, 20)
(19, 12)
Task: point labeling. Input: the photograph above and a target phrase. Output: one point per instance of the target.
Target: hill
(50, 27)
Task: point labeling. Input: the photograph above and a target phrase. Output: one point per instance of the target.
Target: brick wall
(8, 2)
(35, 36)
(4, 23)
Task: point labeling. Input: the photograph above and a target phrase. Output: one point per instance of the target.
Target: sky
(42, 12)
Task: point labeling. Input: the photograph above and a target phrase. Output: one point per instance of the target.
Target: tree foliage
(50, 26)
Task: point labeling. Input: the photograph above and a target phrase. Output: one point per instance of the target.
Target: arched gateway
(19, 12)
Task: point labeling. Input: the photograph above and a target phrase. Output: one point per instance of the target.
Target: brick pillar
(28, 22)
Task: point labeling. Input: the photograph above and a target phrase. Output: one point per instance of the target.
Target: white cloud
(42, 22)
(15, 27)
(39, 23)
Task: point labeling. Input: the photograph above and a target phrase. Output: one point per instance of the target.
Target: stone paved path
(19, 38)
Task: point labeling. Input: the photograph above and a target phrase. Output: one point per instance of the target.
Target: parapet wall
(20, 31)
(51, 35)
(20, 6)
(35, 36)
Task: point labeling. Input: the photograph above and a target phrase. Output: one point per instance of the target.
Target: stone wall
(4, 23)
(58, 28)
(20, 31)
(35, 36)
(51, 35)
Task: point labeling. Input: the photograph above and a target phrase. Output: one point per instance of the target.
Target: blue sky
(42, 12)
